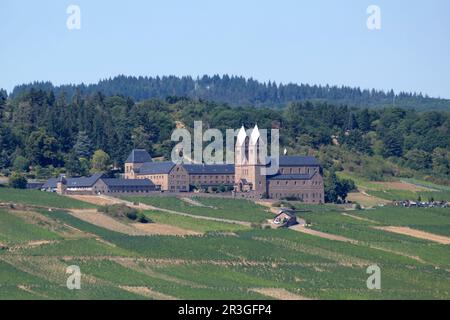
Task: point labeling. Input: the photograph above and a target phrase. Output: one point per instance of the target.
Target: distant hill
(239, 91)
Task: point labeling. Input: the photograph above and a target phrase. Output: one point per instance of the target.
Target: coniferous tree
(83, 147)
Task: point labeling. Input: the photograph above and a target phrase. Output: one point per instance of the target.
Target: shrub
(17, 181)
(230, 188)
(121, 211)
(143, 219)
(21, 164)
(132, 215)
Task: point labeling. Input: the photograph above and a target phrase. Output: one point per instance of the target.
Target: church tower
(240, 162)
(248, 165)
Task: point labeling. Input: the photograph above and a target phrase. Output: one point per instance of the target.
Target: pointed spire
(255, 135)
(285, 151)
(241, 136)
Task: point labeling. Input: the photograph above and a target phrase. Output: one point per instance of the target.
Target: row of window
(295, 182)
(214, 181)
(300, 170)
(304, 196)
(130, 191)
(212, 177)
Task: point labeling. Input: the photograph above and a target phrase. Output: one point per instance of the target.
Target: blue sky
(315, 42)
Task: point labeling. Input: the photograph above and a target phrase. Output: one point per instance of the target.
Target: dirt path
(135, 229)
(31, 245)
(366, 200)
(104, 221)
(97, 200)
(279, 294)
(359, 218)
(417, 234)
(164, 230)
(149, 293)
(320, 234)
(268, 204)
(194, 202)
(401, 185)
(149, 207)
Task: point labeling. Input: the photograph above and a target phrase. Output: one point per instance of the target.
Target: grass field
(223, 265)
(398, 190)
(233, 209)
(398, 195)
(39, 198)
(426, 184)
(14, 230)
(435, 220)
(191, 223)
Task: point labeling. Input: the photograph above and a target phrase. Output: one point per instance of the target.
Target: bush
(5, 172)
(17, 181)
(122, 211)
(21, 164)
(143, 219)
(132, 215)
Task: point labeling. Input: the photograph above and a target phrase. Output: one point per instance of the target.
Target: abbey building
(299, 177)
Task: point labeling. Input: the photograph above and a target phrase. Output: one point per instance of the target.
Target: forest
(239, 91)
(43, 133)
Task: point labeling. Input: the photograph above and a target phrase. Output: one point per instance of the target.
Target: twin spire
(242, 135)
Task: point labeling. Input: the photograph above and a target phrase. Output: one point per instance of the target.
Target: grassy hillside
(373, 193)
(191, 223)
(38, 198)
(15, 230)
(248, 264)
(232, 209)
(397, 195)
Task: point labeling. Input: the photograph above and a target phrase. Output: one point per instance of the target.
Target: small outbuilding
(97, 184)
(285, 218)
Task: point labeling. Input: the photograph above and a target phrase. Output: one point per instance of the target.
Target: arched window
(247, 148)
(257, 152)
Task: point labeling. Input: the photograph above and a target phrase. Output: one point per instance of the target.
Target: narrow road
(320, 234)
(149, 207)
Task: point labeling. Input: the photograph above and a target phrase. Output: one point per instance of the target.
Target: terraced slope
(38, 246)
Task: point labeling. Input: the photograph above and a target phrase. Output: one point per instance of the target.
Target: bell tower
(255, 163)
(248, 165)
(240, 161)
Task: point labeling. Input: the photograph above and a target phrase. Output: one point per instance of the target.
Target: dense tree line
(239, 91)
(43, 133)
